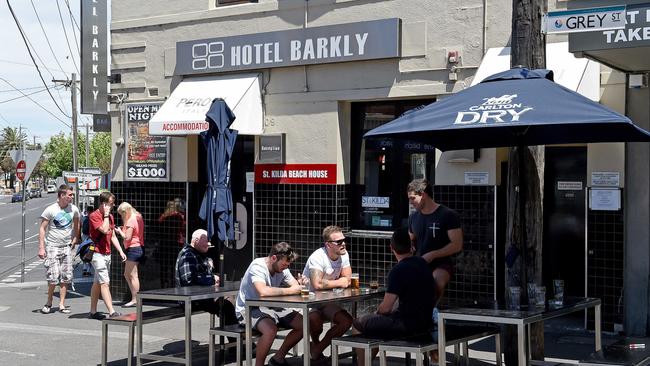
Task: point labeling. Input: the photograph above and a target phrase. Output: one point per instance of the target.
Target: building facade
(306, 80)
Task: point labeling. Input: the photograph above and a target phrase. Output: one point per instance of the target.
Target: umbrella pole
(522, 223)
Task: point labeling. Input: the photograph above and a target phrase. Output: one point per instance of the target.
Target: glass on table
(558, 291)
(540, 296)
(354, 281)
(304, 290)
(514, 297)
(374, 284)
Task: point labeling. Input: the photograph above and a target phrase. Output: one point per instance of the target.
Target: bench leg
(465, 352)
(131, 340)
(382, 357)
(104, 343)
(367, 354)
(239, 348)
(335, 354)
(419, 359)
(211, 350)
(456, 353)
(497, 348)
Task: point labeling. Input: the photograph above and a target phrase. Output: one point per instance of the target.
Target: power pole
(526, 169)
(23, 183)
(73, 94)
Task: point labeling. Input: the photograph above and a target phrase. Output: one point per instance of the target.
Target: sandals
(64, 309)
(131, 304)
(46, 309)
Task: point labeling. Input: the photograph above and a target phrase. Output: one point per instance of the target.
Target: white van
(51, 188)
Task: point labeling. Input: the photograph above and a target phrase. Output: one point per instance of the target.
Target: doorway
(565, 179)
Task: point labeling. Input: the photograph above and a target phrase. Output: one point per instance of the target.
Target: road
(11, 236)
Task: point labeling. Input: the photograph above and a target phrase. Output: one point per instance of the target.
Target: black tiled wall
(161, 232)
(605, 263)
(298, 213)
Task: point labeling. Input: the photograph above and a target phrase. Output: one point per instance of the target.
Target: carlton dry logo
(493, 109)
(558, 24)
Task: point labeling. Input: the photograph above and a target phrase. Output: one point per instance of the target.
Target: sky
(17, 71)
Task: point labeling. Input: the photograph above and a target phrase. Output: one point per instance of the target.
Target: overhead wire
(47, 39)
(25, 64)
(35, 102)
(72, 16)
(32, 93)
(72, 21)
(67, 40)
(29, 51)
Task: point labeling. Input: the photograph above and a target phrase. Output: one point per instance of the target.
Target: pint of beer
(304, 291)
(354, 281)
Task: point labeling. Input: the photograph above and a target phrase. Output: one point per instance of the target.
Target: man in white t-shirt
(58, 234)
(270, 276)
(327, 268)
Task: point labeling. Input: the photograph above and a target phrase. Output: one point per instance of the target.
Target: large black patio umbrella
(518, 107)
(219, 141)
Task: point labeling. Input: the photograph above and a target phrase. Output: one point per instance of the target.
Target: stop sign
(20, 170)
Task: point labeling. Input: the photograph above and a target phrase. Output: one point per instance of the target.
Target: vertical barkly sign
(94, 73)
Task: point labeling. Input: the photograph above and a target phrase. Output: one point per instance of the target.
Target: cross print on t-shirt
(433, 228)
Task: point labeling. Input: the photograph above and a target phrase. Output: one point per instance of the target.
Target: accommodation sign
(635, 34)
(369, 40)
(295, 173)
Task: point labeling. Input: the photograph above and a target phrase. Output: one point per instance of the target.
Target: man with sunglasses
(327, 268)
(270, 276)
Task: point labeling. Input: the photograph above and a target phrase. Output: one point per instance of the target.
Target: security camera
(119, 142)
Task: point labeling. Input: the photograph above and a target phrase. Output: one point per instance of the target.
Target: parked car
(35, 192)
(18, 197)
(51, 188)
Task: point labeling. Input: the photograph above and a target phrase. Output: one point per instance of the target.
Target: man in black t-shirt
(435, 230)
(410, 285)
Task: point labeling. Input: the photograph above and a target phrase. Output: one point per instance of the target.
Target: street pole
(75, 166)
(22, 241)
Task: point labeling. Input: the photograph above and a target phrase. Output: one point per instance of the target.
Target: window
(230, 2)
(382, 168)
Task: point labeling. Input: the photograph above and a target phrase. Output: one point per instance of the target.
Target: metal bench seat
(129, 320)
(367, 344)
(457, 335)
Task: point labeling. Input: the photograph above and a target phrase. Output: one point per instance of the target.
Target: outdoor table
(499, 314)
(304, 303)
(186, 295)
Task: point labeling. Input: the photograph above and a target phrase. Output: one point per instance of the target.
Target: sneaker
(64, 309)
(114, 314)
(96, 316)
(46, 309)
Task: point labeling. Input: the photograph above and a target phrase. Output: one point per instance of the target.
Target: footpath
(28, 337)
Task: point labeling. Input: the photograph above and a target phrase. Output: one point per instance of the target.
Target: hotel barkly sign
(369, 40)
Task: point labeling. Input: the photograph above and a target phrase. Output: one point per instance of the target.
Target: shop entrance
(238, 254)
(565, 175)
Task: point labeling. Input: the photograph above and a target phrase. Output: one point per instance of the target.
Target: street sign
(584, 20)
(20, 170)
(31, 157)
(78, 175)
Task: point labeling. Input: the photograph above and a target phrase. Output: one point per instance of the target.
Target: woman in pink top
(132, 232)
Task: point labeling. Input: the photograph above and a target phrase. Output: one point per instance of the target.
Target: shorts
(135, 254)
(328, 311)
(381, 325)
(58, 264)
(280, 316)
(101, 263)
(444, 265)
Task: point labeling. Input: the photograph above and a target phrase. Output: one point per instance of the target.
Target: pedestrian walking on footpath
(132, 232)
(102, 227)
(57, 236)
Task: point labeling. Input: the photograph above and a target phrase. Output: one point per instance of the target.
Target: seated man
(327, 268)
(194, 267)
(410, 285)
(270, 276)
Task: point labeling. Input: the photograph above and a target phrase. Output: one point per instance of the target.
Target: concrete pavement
(28, 337)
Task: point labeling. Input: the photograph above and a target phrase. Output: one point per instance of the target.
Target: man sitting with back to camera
(411, 287)
(327, 268)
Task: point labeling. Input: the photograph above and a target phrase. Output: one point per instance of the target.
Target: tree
(58, 153)
(526, 168)
(100, 151)
(10, 139)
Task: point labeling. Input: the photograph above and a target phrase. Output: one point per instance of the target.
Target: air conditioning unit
(636, 81)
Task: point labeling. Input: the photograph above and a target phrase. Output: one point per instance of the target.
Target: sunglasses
(286, 253)
(338, 242)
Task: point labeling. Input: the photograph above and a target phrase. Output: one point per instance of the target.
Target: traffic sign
(20, 170)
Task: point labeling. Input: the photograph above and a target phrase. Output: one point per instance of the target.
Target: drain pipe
(304, 68)
(484, 36)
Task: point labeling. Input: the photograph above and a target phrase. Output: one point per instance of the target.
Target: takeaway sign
(369, 40)
(636, 33)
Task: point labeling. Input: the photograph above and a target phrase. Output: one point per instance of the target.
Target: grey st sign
(318, 45)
